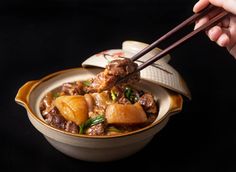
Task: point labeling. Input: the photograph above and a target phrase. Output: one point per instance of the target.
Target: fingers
(225, 33)
(200, 5)
(214, 33)
(223, 40)
(201, 22)
(218, 35)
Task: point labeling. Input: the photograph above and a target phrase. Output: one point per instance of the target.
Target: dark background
(41, 37)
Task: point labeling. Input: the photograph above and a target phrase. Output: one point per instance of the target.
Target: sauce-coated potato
(73, 108)
(125, 114)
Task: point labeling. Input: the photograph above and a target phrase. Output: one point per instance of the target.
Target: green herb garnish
(113, 95)
(130, 95)
(128, 92)
(87, 83)
(81, 129)
(55, 95)
(91, 122)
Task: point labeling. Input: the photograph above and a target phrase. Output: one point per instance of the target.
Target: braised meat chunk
(114, 71)
(96, 130)
(72, 88)
(101, 82)
(148, 103)
(46, 103)
(121, 68)
(54, 118)
(71, 127)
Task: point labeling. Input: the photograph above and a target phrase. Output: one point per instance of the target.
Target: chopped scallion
(87, 83)
(91, 122)
(113, 95)
(55, 95)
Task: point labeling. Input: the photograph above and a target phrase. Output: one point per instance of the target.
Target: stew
(98, 106)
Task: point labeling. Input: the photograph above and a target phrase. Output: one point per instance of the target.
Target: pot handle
(22, 96)
(176, 103)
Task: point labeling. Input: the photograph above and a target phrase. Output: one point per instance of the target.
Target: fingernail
(212, 30)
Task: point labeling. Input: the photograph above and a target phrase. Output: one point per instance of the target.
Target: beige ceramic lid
(160, 72)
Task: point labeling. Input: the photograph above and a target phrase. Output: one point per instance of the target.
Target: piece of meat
(102, 99)
(47, 110)
(73, 88)
(101, 82)
(121, 68)
(46, 103)
(114, 71)
(96, 130)
(148, 103)
(54, 119)
(124, 100)
(71, 127)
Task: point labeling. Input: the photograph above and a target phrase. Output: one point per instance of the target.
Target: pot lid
(159, 72)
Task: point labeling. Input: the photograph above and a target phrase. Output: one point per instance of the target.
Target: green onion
(87, 83)
(129, 94)
(81, 129)
(55, 95)
(113, 95)
(91, 122)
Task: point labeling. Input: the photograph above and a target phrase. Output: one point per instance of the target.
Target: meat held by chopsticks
(114, 71)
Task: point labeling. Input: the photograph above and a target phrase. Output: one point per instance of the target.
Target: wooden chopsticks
(220, 14)
(186, 22)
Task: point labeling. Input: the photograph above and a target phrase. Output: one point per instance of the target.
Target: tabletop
(41, 37)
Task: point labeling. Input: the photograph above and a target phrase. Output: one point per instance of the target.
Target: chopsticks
(220, 14)
(186, 22)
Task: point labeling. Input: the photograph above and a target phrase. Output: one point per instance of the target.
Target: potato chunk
(73, 108)
(125, 114)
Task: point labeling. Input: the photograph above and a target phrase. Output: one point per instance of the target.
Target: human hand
(224, 34)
